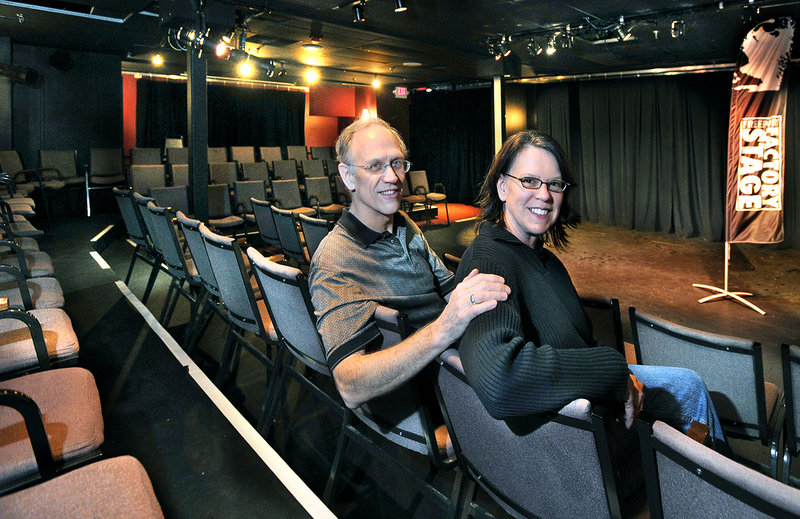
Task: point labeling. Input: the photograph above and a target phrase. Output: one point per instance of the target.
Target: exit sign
(401, 91)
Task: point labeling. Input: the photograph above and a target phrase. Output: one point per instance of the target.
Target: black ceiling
(450, 39)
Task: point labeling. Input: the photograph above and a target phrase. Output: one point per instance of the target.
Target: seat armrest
(439, 184)
(35, 426)
(35, 329)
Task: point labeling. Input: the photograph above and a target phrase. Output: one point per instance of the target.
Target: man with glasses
(376, 255)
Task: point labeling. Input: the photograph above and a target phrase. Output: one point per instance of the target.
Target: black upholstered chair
(606, 319)
(405, 417)
(185, 281)
(320, 197)
(210, 302)
(314, 231)
(790, 366)
(292, 243)
(137, 233)
(266, 223)
(288, 302)
(687, 479)
(731, 367)
(143, 177)
(558, 465)
(105, 171)
(244, 313)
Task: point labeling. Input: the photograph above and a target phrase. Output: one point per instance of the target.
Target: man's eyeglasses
(398, 165)
(554, 186)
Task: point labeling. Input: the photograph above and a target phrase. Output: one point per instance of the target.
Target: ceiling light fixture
(157, 60)
(551, 46)
(376, 83)
(399, 6)
(315, 38)
(534, 48)
(222, 50)
(359, 15)
(622, 33)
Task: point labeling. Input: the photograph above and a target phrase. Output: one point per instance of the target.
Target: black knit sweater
(533, 353)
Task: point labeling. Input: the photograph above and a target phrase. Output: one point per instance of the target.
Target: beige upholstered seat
(17, 351)
(69, 405)
(41, 292)
(115, 487)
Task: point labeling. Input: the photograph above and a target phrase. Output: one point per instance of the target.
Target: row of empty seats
(51, 423)
(176, 153)
(59, 170)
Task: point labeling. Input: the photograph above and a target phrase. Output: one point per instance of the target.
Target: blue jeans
(678, 396)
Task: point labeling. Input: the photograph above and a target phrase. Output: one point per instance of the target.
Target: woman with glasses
(534, 353)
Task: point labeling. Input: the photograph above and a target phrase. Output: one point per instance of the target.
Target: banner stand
(721, 293)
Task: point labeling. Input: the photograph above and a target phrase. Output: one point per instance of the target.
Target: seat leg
(133, 260)
(151, 281)
(273, 398)
(447, 212)
(337, 458)
(171, 292)
(224, 372)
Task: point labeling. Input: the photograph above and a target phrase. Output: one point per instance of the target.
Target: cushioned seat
(44, 293)
(25, 243)
(24, 228)
(39, 264)
(69, 404)
(116, 487)
(16, 346)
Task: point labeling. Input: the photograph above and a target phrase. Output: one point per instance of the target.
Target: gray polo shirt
(356, 269)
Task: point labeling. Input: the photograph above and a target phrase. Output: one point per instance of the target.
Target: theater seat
(115, 487)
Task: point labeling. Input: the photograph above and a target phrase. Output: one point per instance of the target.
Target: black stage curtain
(237, 115)
(648, 153)
(451, 139)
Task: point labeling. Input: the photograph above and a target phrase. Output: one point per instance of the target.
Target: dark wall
(78, 107)
(394, 111)
(5, 96)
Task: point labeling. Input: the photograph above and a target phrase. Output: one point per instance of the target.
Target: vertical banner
(756, 135)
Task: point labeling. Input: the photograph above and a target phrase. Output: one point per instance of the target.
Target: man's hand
(634, 400)
(476, 294)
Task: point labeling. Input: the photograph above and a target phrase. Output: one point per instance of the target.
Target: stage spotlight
(245, 68)
(222, 50)
(157, 60)
(622, 33)
(551, 46)
(399, 6)
(315, 38)
(534, 48)
(311, 76)
(314, 44)
(358, 12)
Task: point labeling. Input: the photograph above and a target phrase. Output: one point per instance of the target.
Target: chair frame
(394, 327)
(609, 304)
(596, 426)
(790, 439)
(652, 446)
(768, 428)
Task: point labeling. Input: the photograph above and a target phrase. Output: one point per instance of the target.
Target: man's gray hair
(346, 137)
